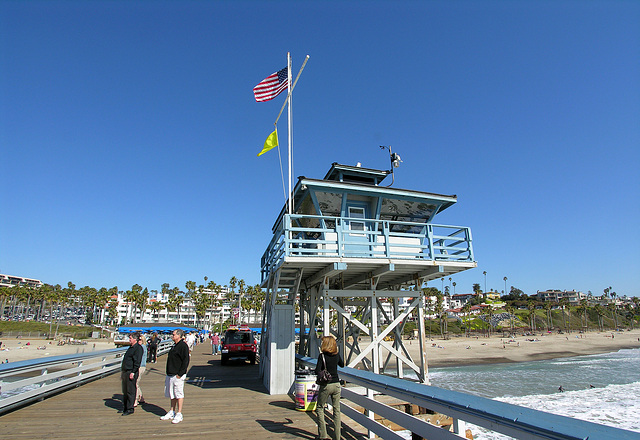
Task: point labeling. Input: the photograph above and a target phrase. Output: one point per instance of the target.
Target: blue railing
(512, 420)
(27, 381)
(340, 237)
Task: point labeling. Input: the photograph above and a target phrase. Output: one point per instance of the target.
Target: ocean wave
(615, 405)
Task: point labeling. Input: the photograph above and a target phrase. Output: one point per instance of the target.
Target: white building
(185, 314)
(557, 295)
(460, 299)
(11, 280)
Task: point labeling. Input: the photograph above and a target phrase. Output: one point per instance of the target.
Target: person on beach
(153, 348)
(329, 359)
(129, 373)
(143, 367)
(177, 363)
(215, 343)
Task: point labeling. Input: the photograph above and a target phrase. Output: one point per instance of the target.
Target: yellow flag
(271, 142)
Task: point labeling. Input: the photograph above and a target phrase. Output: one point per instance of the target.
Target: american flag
(272, 85)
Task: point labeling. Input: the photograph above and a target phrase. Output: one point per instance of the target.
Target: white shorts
(174, 387)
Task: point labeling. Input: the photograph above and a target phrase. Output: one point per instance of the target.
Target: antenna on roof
(395, 161)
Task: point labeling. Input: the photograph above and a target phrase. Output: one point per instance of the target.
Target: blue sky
(129, 132)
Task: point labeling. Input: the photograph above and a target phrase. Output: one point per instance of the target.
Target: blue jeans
(333, 390)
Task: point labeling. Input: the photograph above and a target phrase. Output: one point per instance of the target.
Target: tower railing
(342, 237)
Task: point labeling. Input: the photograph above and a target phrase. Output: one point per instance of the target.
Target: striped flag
(272, 85)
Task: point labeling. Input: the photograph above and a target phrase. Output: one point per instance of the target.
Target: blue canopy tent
(158, 328)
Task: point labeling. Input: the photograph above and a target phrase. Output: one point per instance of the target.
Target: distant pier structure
(350, 246)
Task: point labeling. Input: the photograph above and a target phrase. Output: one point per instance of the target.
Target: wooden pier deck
(222, 402)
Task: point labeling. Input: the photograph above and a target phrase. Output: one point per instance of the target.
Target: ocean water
(603, 388)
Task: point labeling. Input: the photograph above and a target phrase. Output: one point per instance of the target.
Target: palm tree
(259, 296)
(113, 309)
(102, 299)
(201, 302)
(429, 307)
(564, 302)
(4, 295)
(191, 287)
(174, 301)
(477, 290)
(439, 309)
(38, 298)
(218, 290)
(532, 315)
(466, 309)
(142, 302)
(191, 293)
(241, 286)
(511, 312)
(71, 289)
(505, 286)
(600, 312)
(129, 297)
(233, 282)
(584, 306)
(52, 295)
(139, 299)
(636, 307)
(547, 308)
(136, 297)
(612, 309)
(485, 280)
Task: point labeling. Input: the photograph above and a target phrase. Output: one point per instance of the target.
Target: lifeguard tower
(352, 258)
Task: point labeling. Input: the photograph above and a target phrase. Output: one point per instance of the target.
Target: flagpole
(290, 133)
(291, 91)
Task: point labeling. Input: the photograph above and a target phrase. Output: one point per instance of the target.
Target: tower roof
(357, 174)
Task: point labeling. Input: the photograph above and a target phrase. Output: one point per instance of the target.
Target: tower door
(356, 238)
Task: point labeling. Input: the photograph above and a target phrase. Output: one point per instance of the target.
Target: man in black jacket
(177, 363)
(129, 373)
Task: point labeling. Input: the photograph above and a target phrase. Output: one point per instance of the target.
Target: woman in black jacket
(329, 359)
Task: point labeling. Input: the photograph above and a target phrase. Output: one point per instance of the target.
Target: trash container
(306, 391)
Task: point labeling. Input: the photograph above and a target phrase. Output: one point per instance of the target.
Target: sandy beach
(459, 350)
(482, 350)
(23, 349)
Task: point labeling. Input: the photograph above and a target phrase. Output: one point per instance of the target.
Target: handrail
(508, 419)
(327, 236)
(21, 384)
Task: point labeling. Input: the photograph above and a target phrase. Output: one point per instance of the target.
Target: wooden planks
(227, 402)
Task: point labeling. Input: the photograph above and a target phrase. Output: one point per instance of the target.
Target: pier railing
(508, 419)
(341, 237)
(24, 382)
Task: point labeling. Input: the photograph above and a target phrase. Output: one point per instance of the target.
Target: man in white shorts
(177, 364)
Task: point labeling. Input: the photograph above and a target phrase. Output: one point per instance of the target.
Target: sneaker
(168, 416)
(177, 418)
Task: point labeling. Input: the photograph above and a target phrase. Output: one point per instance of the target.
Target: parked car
(239, 343)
